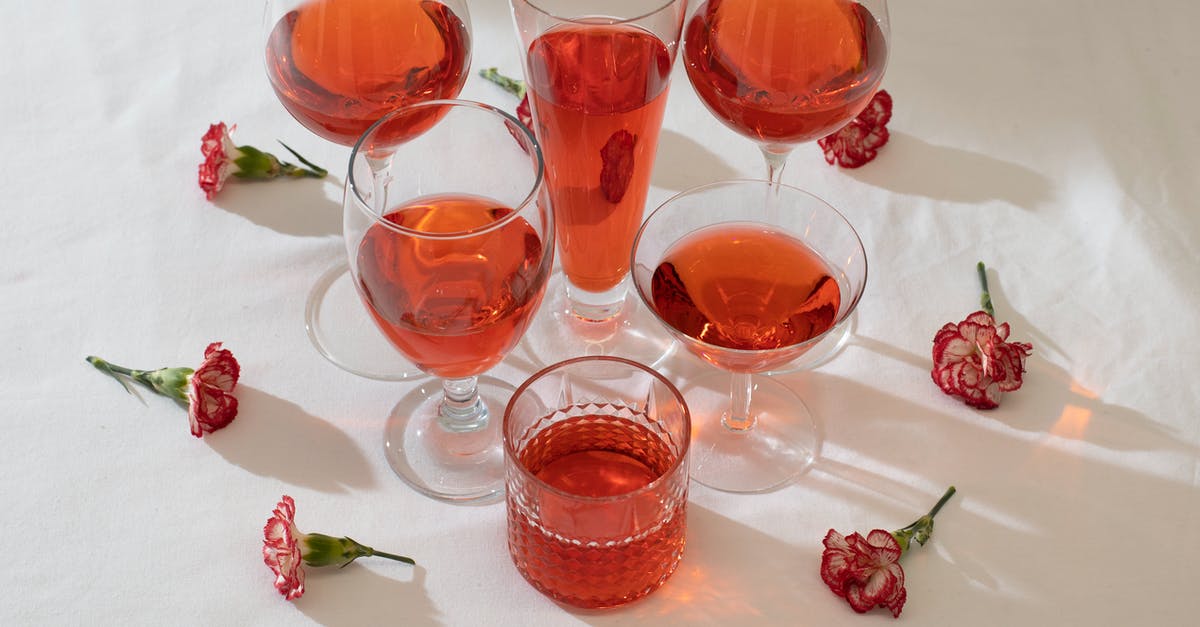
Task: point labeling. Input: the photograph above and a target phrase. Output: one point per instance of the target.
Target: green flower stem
(391, 556)
(170, 382)
(319, 549)
(510, 85)
(986, 298)
(315, 171)
(921, 528)
(256, 165)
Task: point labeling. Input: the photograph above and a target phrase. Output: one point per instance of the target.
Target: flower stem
(170, 382)
(315, 171)
(114, 371)
(937, 507)
(986, 298)
(510, 85)
(391, 556)
(921, 528)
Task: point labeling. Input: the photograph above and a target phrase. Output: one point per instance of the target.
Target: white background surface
(1054, 141)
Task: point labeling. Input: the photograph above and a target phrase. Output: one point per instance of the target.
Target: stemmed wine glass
(449, 250)
(338, 66)
(598, 73)
(787, 72)
(748, 275)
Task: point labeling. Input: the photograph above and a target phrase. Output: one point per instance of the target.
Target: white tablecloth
(1053, 140)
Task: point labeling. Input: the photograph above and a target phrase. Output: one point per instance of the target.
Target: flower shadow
(302, 207)
(1080, 412)
(1031, 507)
(1051, 400)
(358, 595)
(272, 437)
(918, 168)
(730, 574)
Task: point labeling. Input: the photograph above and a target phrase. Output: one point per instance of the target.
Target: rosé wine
(596, 553)
(339, 66)
(598, 93)
(784, 71)
(745, 287)
(455, 305)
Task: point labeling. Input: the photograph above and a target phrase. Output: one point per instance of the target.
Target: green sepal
(322, 550)
(171, 382)
(255, 164)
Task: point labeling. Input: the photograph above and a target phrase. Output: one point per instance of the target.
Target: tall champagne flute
(598, 73)
(450, 255)
(786, 72)
(748, 275)
(338, 66)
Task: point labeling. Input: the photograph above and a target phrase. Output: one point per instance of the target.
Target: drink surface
(598, 93)
(454, 305)
(745, 286)
(597, 553)
(784, 71)
(338, 66)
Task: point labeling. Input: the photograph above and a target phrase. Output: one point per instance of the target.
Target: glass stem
(776, 157)
(739, 418)
(381, 177)
(461, 408)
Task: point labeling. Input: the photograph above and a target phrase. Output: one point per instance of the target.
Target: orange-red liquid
(340, 65)
(598, 553)
(784, 71)
(455, 306)
(596, 86)
(746, 287)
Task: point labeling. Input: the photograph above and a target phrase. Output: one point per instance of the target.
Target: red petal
(524, 113)
(617, 157)
(220, 369)
(209, 408)
(858, 142)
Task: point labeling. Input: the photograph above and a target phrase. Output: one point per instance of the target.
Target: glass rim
(766, 184)
(680, 460)
(580, 19)
(518, 211)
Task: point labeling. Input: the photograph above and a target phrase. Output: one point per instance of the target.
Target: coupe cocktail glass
(748, 275)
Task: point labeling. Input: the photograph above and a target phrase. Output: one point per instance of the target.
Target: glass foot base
(783, 443)
(465, 467)
(557, 334)
(342, 331)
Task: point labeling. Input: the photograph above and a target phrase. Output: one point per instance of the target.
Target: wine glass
(598, 73)
(449, 250)
(748, 275)
(787, 72)
(338, 66)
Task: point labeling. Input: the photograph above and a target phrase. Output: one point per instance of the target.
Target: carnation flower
(866, 571)
(207, 391)
(223, 158)
(858, 142)
(974, 361)
(285, 547)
